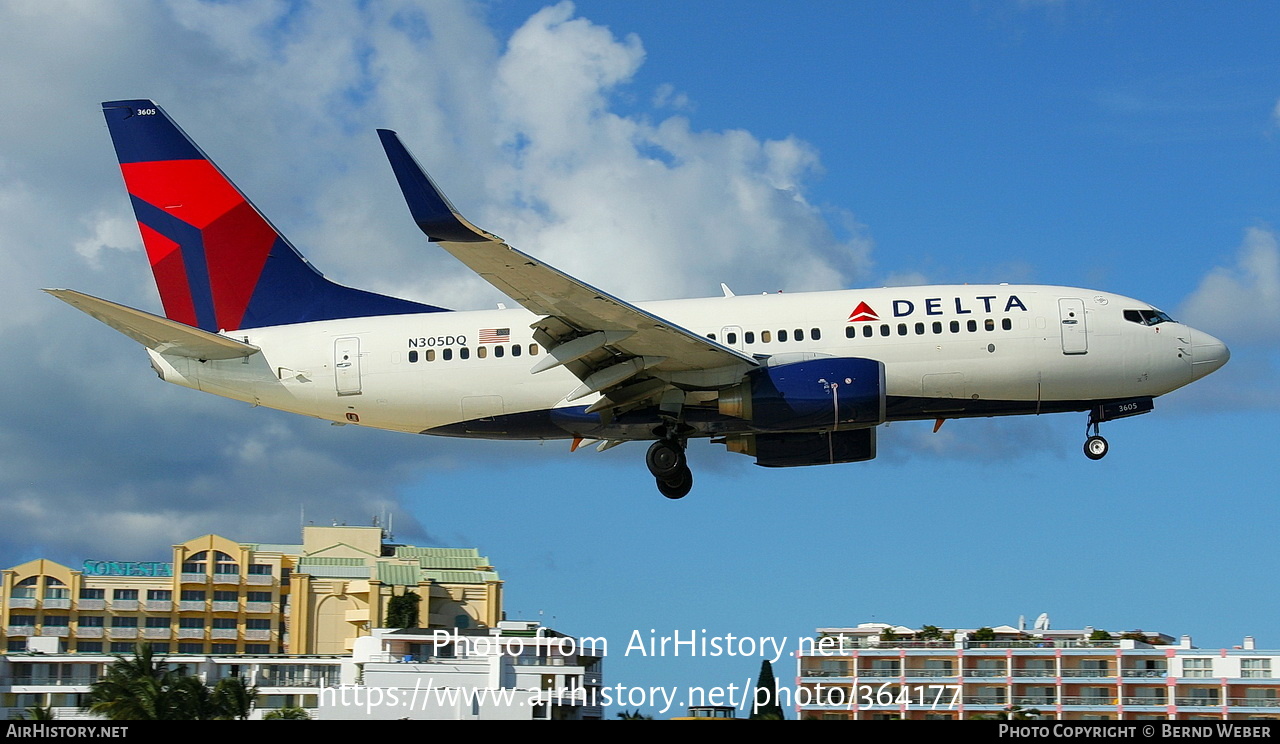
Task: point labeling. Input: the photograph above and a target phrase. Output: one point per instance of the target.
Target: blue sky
(1131, 148)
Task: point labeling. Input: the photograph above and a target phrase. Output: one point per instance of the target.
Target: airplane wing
(614, 347)
(160, 334)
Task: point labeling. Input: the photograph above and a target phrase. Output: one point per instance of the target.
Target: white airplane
(790, 379)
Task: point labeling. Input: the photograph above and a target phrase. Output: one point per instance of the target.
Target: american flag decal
(495, 335)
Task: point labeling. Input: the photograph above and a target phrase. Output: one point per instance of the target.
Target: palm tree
(145, 688)
(234, 698)
(287, 714)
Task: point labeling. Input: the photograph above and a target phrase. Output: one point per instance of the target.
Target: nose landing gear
(1095, 447)
(666, 462)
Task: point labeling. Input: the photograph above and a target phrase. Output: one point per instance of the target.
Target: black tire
(1095, 447)
(665, 459)
(678, 487)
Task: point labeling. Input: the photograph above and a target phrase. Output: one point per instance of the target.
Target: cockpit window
(1147, 317)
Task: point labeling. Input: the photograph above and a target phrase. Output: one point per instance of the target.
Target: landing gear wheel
(665, 459)
(1095, 447)
(677, 487)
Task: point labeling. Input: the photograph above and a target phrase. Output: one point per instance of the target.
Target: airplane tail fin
(218, 263)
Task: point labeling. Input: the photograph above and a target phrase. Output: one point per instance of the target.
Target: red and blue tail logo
(218, 263)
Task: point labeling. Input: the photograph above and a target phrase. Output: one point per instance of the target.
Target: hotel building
(222, 597)
(878, 671)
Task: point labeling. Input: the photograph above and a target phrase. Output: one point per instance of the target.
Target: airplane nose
(1207, 354)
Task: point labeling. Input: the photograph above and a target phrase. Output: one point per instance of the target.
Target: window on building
(18, 645)
(157, 622)
(190, 622)
(89, 647)
(224, 648)
(124, 621)
(57, 621)
(257, 624)
(124, 594)
(87, 593)
(122, 647)
(225, 564)
(160, 648)
(1201, 667)
(259, 569)
(263, 648)
(193, 595)
(25, 589)
(160, 595)
(258, 596)
(285, 573)
(190, 648)
(22, 619)
(226, 596)
(1255, 668)
(224, 623)
(90, 621)
(55, 589)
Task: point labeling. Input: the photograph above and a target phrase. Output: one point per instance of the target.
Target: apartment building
(879, 671)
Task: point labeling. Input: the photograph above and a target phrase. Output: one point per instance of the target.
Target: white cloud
(1241, 302)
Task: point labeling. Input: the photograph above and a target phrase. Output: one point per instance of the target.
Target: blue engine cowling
(823, 393)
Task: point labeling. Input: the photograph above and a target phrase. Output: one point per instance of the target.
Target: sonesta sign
(127, 568)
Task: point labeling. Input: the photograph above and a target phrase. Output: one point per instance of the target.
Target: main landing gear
(666, 462)
(1095, 447)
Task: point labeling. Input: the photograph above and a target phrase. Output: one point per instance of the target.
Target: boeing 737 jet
(789, 379)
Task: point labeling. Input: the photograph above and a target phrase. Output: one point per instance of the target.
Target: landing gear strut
(1095, 447)
(666, 462)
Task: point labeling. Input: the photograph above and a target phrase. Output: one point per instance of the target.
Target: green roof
(322, 561)
(461, 577)
(398, 574)
(453, 563)
(410, 551)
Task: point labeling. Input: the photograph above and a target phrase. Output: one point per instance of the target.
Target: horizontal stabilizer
(159, 334)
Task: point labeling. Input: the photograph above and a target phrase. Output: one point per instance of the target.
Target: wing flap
(160, 334)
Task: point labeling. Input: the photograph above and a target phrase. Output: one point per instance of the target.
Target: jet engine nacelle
(820, 393)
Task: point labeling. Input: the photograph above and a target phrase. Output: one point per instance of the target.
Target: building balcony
(124, 605)
(1145, 673)
(1040, 673)
(257, 607)
(87, 632)
(1198, 702)
(20, 630)
(194, 578)
(933, 673)
(91, 604)
(225, 634)
(191, 633)
(1094, 673)
(55, 631)
(1091, 701)
(257, 635)
(1146, 700)
(22, 603)
(158, 634)
(191, 606)
(57, 604)
(357, 616)
(259, 579)
(984, 700)
(986, 673)
(1254, 702)
(226, 606)
(1035, 700)
(226, 578)
(826, 673)
(117, 634)
(158, 605)
(880, 673)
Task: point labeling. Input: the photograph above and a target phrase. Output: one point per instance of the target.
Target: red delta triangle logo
(863, 312)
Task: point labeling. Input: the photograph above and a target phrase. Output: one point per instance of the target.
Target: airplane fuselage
(948, 352)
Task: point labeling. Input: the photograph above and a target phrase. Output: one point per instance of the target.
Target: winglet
(427, 203)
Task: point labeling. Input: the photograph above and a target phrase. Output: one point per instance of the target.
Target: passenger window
(989, 324)
(498, 351)
(515, 349)
(866, 331)
(711, 336)
(782, 336)
(533, 349)
(464, 353)
(884, 330)
(815, 334)
(749, 337)
(902, 329)
(431, 355)
(413, 357)
(731, 338)
(482, 352)
(973, 325)
(1006, 324)
(955, 326)
(919, 329)
(766, 336)
(447, 354)
(799, 334)
(850, 331)
(937, 326)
